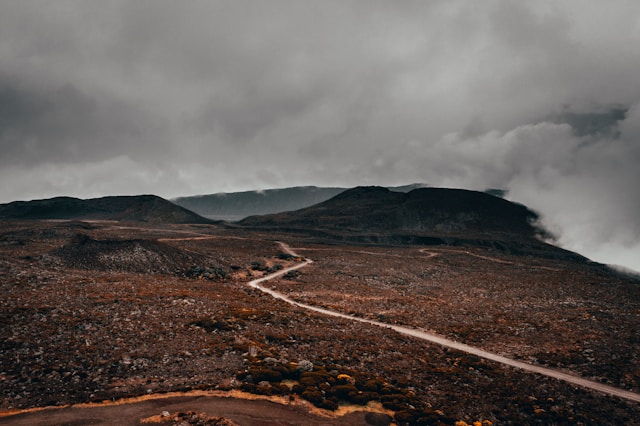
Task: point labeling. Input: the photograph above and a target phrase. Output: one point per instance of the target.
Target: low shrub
(312, 378)
(328, 404)
(291, 275)
(425, 417)
(343, 391)
(395, 402)
(371, 385)
(363, 398)
(313, 395)
(265, 374)
(211, 324)
(280, 389)
(274, 268)
(248, 387)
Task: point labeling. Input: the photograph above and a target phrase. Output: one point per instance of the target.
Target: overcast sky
(541, 98)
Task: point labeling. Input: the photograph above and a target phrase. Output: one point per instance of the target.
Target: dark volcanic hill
(421, 216)
(238, 205)
(139, 208)
(434, 210)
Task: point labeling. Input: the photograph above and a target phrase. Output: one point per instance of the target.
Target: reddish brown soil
(573, 316)
(75, 334)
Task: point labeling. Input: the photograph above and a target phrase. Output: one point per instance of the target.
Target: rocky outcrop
(137, 256)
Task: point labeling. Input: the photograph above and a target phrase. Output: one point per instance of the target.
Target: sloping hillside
(435, 210)
(238, 205)
(422, 216)
(139, 208)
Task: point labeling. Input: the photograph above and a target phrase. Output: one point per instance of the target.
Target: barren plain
(105, 311)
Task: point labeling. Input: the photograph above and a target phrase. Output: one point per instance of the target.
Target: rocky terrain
(96, 311)
(136, 255)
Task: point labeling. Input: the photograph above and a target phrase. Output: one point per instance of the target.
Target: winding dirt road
(434, 338)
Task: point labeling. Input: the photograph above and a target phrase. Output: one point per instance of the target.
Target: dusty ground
(121, 323)
(172, 410)
(555, 313)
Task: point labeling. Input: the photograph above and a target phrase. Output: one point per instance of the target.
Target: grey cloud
(62, 124)
(241, 114)
(584, 185)
(596, 123)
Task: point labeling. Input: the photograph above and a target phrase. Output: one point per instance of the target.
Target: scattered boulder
(212, 273)
(304, 366)
(377, 419)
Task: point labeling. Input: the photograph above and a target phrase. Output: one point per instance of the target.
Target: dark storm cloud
(60, 125)
(595, 123)
(240, 115)
(539, 98)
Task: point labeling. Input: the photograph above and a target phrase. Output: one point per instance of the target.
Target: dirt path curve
(434, 338)
(468, 253)
(138, 411)
(491, 259)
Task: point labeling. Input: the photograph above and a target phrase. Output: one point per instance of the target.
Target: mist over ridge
(541, 99)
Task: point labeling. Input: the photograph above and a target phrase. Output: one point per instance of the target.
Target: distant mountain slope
(436, 210)
(139, 208)
(238, 205)
(423, 216)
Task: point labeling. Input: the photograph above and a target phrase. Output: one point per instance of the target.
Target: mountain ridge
(133, 208)
(424, 216)
(439, 210)
(234, 206)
